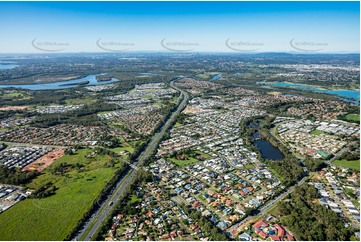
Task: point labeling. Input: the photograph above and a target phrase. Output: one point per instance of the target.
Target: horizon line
(180, 52)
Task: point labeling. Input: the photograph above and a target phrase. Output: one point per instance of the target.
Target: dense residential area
(191, 152)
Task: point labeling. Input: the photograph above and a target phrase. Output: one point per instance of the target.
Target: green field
(148, 96)
(352, 164)
(191, 158)
(353, 117)
(249, 166)
(182, 163)
(54, 217)
(317, 132)
(15, 95)
(129, 148)
(206, 156)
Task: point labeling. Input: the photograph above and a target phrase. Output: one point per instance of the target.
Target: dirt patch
(275, 93)
(46, 160)
(13, 108)
(192, 110)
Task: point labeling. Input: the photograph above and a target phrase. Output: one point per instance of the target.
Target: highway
(95, 222)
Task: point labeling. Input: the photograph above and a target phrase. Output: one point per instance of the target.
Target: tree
(314, 164)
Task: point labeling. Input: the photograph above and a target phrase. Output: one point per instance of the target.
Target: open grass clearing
(317, 132)
(182, 163)
(352, 164)
(353, 117)
(54, 217)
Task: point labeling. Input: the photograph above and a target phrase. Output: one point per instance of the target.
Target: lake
(62, 84)
(339, 92)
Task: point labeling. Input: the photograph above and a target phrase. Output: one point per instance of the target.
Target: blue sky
(197, 26)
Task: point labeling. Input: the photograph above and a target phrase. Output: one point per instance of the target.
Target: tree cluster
(314, 164)
(350, 156)
(15, 176)
(206, 225)
(44, 191)
(310, 221)
(289, 170)
(86, 116)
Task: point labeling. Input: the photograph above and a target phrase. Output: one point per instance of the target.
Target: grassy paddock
(54, 217)
(353, 117)
(192, 158)
(352, 164)
(182, 163)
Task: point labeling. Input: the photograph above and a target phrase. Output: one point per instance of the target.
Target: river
(5, 65)
(62, 84)
(342, 93)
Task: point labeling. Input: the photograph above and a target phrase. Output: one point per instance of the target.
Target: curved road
(95, 222)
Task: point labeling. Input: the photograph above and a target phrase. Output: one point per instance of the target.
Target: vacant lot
(45, 161)
(13, 108)
(54, 217)
(352, 164)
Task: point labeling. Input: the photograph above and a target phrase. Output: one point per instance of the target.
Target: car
(111, 203)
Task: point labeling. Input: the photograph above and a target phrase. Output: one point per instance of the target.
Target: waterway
(216, 77)
(342, 93)
(91, 79)
(5, 65)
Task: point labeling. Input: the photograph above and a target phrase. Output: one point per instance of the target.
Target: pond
(267, 150)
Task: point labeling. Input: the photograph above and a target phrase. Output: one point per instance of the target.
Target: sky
(308, 27)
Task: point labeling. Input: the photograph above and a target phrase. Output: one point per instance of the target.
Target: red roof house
(290, 237)
(275, 238)
(261, 233)
(280, 230)
(260, 224)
